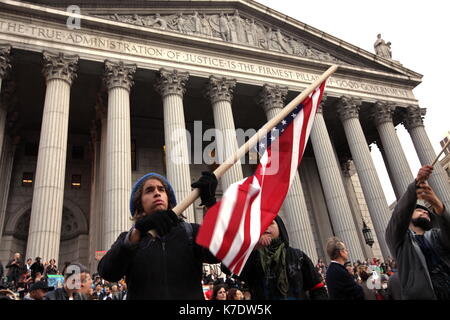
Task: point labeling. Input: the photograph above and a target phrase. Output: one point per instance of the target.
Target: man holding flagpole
(167, 265)
(422, 252)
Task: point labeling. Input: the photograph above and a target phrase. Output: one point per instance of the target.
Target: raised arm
(399, 223)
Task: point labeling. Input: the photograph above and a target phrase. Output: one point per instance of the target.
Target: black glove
(207, 185)
(161, 221)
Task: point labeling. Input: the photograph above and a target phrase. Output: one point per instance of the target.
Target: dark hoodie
(303, 279)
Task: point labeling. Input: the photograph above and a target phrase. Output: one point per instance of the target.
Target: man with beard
(422, 252)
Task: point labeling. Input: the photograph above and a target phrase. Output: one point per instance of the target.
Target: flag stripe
(242, 195)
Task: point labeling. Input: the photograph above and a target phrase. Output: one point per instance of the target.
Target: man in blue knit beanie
(167, 266)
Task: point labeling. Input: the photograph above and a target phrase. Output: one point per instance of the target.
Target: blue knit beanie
(137, 185)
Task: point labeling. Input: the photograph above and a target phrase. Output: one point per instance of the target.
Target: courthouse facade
(93, 100)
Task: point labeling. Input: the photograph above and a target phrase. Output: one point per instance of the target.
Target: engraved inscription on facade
(87, 39)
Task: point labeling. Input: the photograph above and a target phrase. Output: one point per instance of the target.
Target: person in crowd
(208, 294)
(382, 291)
(123, 289)
(116, 294)
(231, 282)
(24, 283)
(276, 271)
(108, 294)
(422, 252)
(247, 294)
(351, 270)
(219, 292)
(52, 268)
(235, 294)
(38, 290)
(28, 264)
(36, 267)
(98, 292)
(15, 267)
(341, 285)
(7, 294)
(167, 265)
(77, 282)
(368, 288)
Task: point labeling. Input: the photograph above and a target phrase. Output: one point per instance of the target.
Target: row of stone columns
(113, 183)
(113, 180)
(333, 187)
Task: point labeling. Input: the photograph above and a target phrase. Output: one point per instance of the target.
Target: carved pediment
(233, 28)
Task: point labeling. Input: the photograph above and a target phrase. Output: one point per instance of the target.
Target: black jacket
(14, 269)
(158, 268)
(61, 294)
(36, 267)
(412, 267)
(341, 284)
(303, 278)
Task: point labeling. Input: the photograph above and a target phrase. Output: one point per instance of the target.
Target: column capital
(220, 89)
(171, 82)
(5, 60)
(119, 74)
(382, 112)
(272, 96)
(348, 107)
(413, 117)
(60, 66)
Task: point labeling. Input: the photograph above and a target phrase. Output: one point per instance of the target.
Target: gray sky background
(417, 31)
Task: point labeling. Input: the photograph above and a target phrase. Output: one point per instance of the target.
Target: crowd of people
(158, 258)
(30, 281)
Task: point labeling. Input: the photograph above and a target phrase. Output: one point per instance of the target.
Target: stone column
(220, 90)
(396, 160)
(348, 110)
(94, 148)
(102, 120)
(5, 66)
(6, 167)
(172, 86)
(48, 194)
(413, 122)
(333, 187)
(119, 80)
(294, 206)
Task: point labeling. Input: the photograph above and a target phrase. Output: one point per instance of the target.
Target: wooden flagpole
(442, 151)
(183, 205)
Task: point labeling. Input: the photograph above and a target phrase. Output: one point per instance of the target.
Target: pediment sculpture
(230, 28)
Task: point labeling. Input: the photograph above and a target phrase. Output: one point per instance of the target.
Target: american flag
(233, 226)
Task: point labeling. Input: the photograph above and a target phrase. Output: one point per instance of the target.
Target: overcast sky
(417, 31)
